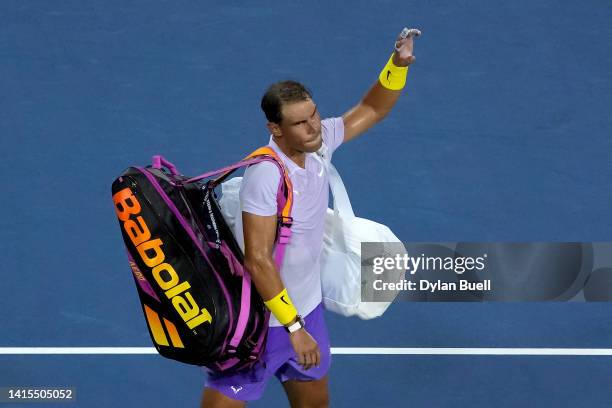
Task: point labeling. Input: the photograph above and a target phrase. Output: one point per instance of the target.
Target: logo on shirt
(235, 389)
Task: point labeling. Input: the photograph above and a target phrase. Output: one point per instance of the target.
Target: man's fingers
(313, 359)
(307, 361)
(409, 32)
(405, 36)
(302, 359)
(310, 359)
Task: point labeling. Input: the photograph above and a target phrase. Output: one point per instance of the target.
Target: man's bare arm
(259, 234)
(379, 101)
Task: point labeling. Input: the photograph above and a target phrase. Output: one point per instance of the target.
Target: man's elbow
(257, 265)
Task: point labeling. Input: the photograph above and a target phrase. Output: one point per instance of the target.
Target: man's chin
(314, 145)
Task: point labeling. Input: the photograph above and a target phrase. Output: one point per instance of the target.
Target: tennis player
(297, 350)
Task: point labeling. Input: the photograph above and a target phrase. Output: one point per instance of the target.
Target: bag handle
(342, 203)
(159, 162)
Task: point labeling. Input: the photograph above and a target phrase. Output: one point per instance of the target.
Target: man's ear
(274, 128)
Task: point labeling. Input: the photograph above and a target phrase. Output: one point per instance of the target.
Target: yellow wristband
(393, 77)
(281, 307)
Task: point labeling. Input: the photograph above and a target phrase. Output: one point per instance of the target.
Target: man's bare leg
(307, 394)
(212, 398)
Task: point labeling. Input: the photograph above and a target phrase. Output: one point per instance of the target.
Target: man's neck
(295, 156)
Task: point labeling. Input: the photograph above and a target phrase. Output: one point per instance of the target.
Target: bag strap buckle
(285, 221)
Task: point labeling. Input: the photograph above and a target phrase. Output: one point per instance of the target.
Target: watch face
(297, 325)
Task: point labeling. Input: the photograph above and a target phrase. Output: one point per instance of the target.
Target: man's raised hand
(404, 46)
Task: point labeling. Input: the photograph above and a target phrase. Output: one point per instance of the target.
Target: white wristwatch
(299, 323)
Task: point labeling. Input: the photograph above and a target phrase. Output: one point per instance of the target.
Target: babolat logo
(150, 251)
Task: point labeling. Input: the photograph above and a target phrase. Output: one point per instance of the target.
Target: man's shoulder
(264, 172)
(259, 188)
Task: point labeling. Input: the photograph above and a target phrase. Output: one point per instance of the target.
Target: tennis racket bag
(198, 300)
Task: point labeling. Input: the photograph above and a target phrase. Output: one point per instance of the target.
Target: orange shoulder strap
(268, 151)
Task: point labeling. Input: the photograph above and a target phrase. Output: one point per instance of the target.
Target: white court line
(475, 351)
(334, 350)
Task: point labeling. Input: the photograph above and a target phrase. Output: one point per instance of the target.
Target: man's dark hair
(279, 94)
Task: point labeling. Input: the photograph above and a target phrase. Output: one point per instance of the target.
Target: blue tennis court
(503, 134)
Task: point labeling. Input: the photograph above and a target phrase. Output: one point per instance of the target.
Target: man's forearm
(381, 99)
(385, 92)
(265, 276)
(270, 287)
(382, 96)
